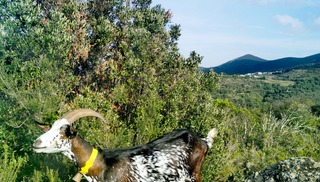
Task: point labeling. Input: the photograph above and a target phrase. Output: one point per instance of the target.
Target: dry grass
(284, 83)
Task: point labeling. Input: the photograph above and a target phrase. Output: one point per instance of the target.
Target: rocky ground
(292, 169)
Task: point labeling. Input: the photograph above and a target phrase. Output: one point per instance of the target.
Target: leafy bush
(122, 59)
(10, 165)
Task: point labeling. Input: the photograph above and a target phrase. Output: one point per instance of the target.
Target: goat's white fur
(213, 133)
(51, 140)
(168, 156)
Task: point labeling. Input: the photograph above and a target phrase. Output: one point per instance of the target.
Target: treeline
(121, 58)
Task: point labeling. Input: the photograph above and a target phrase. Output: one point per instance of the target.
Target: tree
(118, 57)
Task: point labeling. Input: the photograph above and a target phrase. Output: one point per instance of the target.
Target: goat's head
(58, 137)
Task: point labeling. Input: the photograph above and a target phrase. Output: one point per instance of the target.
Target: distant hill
(251, 64)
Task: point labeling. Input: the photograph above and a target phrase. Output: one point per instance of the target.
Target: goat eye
(63, 129)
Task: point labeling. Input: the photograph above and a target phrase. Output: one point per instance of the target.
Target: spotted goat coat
(177, 156)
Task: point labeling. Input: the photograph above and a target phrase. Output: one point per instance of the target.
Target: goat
(175, 156)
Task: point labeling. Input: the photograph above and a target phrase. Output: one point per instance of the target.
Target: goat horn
(73, 116)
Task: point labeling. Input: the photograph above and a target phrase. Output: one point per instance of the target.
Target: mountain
(251, 64)
(248, 57)
(241, 65)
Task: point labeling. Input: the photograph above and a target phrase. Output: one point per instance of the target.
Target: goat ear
(70, 132)
(73, 134)
(44, 127)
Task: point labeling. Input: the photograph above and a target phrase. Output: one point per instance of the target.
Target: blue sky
(221, 30)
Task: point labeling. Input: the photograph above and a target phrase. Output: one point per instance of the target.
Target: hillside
(244, 63)
(302, 85)
(252, 64)
(57, 57)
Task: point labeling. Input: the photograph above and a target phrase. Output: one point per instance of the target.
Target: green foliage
(48, 175)
(249, 141)
(299, 85)
(10, 165)
(121, 58)
(269, 121)
(315, 110)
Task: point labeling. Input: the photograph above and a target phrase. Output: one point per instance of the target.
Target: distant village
(260, 74)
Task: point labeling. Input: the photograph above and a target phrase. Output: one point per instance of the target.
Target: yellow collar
(90, 161)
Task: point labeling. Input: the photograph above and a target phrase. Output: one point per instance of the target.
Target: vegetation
(121, 58)
(301, 85)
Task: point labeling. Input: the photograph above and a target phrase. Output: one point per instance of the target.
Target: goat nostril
(37, 142)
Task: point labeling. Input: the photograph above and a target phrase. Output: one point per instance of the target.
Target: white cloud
(287, 20)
